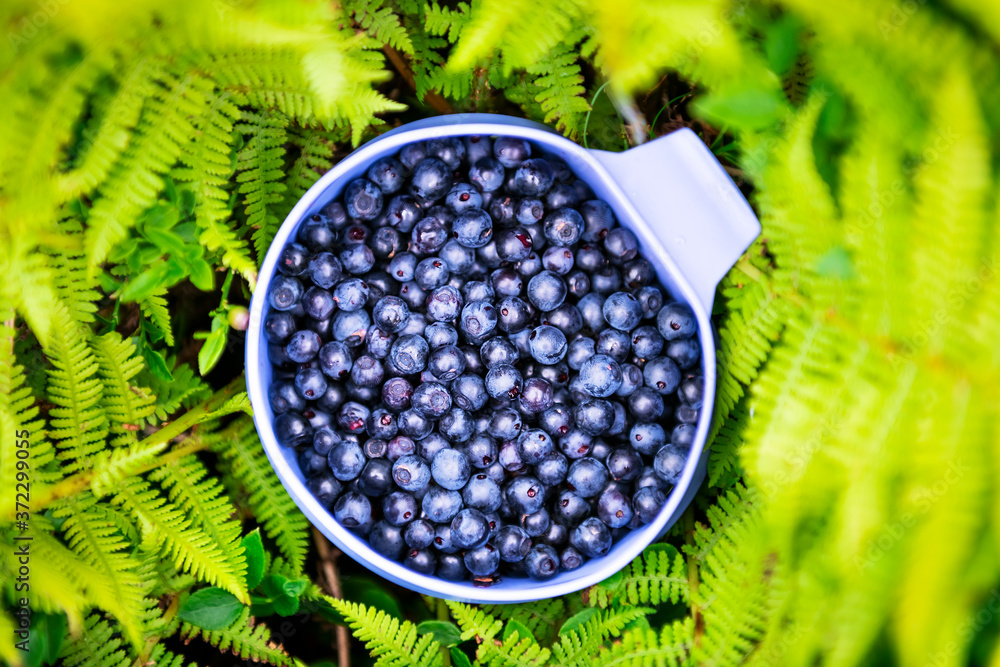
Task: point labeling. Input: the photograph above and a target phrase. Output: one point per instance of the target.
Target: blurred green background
(149, 150)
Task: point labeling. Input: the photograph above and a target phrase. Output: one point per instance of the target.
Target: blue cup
(692, 223)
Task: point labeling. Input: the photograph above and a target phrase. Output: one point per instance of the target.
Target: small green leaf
(211, 351)
(261, 605)
(459, 659)
(577, 621)
(146, 283)
(210, 609)
(157, 364)
(294, 587)
(445, 633)
(273, 585)
(202, 276)
(781, 44)
(744, 106)
(253, 551)
(520, 628)
(285, 605)
(166, 240)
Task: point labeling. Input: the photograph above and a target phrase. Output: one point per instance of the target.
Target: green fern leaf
(542, 617)
(580, 647)
(382, 23)
(155, 308)
(313, 160)
(110, 578)
(642, 647)
(166, 526)
(77, 421)
(243, 638)
(260, 167)
(248, 467)
(129, 407)
(393, 643)
(97, 646)
(185, 390)
(515, 651)
(657, 576)
(441, 20)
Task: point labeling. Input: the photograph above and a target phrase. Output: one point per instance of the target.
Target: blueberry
(387, 540)
(333, 398)
(662, 375)
(558, 260)
(498, 350)
(692, 391)
(563, 227)
(449, 150)
(505, 424)
(403, 213)
(374, 447)
(570, 558)
(396, 393)
(411, 154)
(529, 211)
(411, 473)
(621, 245)
(594, 417)
(418, 534)
(600, 375)
(403, 266)
(458, 258)
(350, 328)
(357, 259)
(311, 462)
(294, 259)
(451, 567)
(562, 195)
(390, 314)
(646, 404)
(399, 508)
(363, 199)
(591, 538)
(598, 218)
(310, 383)
(440, 334)
(513, 543)
(316, 233)
(478, 319)
(473, 228)
(525, 494)
(675, 321)
(506, 282)
(542, 562)
(431, 273)
(388, 174)
(646, 342)
(409, 353)
(536, 396)
(284, 292)
(570, 509)
(576, 444)
(686, 414)
(352, 510)
(469, 529)
(631, 380)
(586, 477)
(511, 151)
(451, 469)
(614, 508)
(513, 244)
(503, 381)
(622, 311)
(613, 343)
(414, 296)
(375, 479)
(482, 561)
(279, 326)
(647, 437)
(292, 430)
(684, 351)
(441, 505)
(487, 174)
(324, 439)
(325, 487)
(683, 436)
(638, 273)
(303, 346)
(367, 372)
(534, 177)
(346, 460)
(534, 445)
(431, 399)
(557, 420)
(503, 211)
(431, 179)
(669, 463)
(536, 524)
(414, 425)
(422, 561)
(605, 281)
(444, 304)
(647, 503)
(428, 236)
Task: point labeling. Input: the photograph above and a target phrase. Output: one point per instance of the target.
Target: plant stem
(433, 98)
(693, 577)
(443, 615)
(82, 480)
(328, 561)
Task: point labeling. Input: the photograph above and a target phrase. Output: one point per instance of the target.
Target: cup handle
(690, 203)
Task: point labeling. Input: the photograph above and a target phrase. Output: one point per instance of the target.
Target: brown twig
(432, 98)
(328, 562)
(693, 578)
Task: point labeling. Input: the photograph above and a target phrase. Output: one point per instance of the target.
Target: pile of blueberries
(477, 368)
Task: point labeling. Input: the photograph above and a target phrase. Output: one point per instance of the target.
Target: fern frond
(155, 308)
(442, 20)
(110, 579)
(77, 421)
(643, 647)
(247, 465)
(194, 490)
(381, 22)
(313, 160)
(137, 179)
(542, 617)
(192, 548)
(186, 389)
(243, 638)
(658, 575)
(259, 170)
(393, 643)
(112, 466)
(128, 406)
(560, 87)
(70, 279)
(516, 651)
(580, 647)
(97, 646)
(208, 168)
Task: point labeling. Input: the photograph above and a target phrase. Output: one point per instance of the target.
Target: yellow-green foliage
(851, 510)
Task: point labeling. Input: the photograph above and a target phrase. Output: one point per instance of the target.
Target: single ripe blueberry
(513, 244)
(469, 529)
(676, 320)
(325, 487)
(511, 151)
(388, 174)
(310, 383)
(399, 508)
(375, 479)
(317, 233)
(431, 273)
(570, 558)
(481, 450)
(563, 227)
(592, 538)
(431, 179)
(363, 199)
(418, 534)
(422, 561)
(513, 543)
(284, 292)
(542, 562)
(482, 561)
(403, 213)
(647, 438)
(534, 445)
(570, 509)
(598, 219)
(303, 346)
(351, 294)
(451, 469)
(441, 505)
(487, 174)
(408, 354)
(503, 381)
(294, 259)
(534, 177)
(525, 494)
(586, 477)
(622, 311)
(411, 473)
(684, 351)
(292, 430)
(387, 540)
(352, 510)
(647, 503)
(396, 393)
(469, 392)
(449, 150)
(391, 314)
(451, 567)
(669, 463)
(346, 460)
(614, 508)
(662, 375)
(473, 228)
(600, 375)
(621, 245)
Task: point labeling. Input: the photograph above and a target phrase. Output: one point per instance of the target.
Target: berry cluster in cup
(478, 369)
